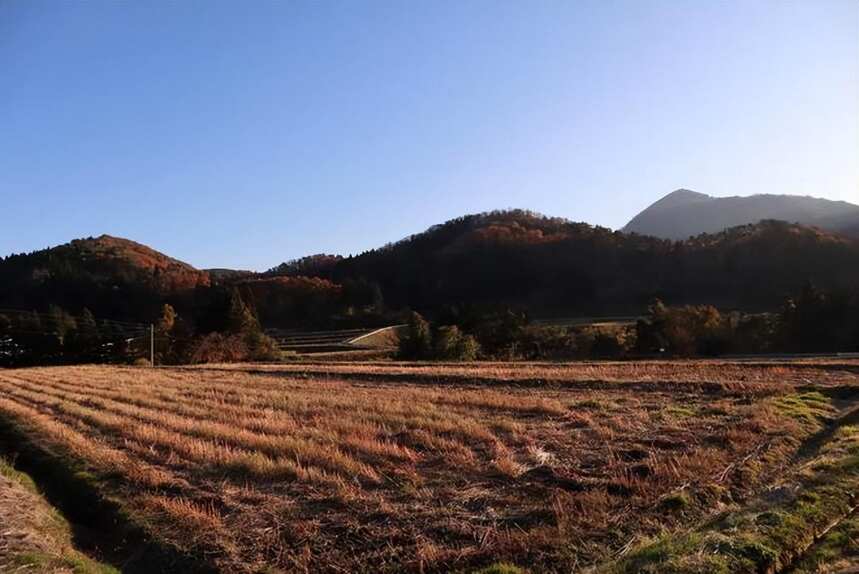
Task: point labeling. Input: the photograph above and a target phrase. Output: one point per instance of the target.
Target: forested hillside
(545, 266)
(551, 266)
(110, 276)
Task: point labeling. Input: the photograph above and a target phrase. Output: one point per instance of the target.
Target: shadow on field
(100, 528)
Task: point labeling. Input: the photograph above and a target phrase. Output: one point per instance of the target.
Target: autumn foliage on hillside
(473, 272)
(550, 266)
(282, 300)
(166, 274)
(112, 277)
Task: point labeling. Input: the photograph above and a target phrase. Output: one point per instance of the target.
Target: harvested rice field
(409, 467)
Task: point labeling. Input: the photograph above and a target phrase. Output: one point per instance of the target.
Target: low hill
(289, 300)
(221, 275)
(109, 275)
(683, 214)
(552, 266)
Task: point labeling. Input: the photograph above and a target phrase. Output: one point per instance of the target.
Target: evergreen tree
(240, 318)
(164, 334)
(61, 323)
(85, 344)
(167, 320)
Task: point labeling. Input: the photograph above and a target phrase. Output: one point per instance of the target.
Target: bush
(544, 342)
(416, 342)
(447, 343)
(467, 348)
(219, 348)
(602, 342)
(450, 344)
(500, 333)
(685, 331)
(261, 347)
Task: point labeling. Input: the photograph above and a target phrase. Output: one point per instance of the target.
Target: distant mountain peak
(680, 197)
(685, 194)
(684, 213)
(130, 252)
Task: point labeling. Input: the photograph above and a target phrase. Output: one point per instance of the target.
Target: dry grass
(350, 467)
(34, 537)
(708, 375)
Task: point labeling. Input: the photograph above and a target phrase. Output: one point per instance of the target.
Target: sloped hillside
(551, 266)
(683, 214)
(548, 266)
(111, 275)
(290, 300)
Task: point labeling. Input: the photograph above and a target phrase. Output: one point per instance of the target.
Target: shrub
(467, 348)
(446, 343)
(260, 346)
(601, 342)
(684, 331)
(416, 342)
(449, 343)
(219, 348)
(543, 342)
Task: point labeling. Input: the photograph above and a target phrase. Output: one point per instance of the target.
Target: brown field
(335, 467)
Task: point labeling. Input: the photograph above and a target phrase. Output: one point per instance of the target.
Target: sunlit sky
(241, 134)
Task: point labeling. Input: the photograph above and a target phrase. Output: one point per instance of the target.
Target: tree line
(58, 337)
(477, 281)
(813, 321)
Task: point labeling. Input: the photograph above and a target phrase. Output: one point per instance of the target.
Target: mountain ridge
(684, 213)
(515, 259)
(108, 274)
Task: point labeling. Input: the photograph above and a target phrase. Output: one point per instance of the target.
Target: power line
(50, 314)
(51, 317)
(10, 332)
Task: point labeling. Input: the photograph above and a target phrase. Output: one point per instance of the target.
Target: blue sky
(241, 134)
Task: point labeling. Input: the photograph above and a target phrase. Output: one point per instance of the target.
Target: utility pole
(151, 345)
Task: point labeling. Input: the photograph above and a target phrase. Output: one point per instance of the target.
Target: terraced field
(624, 467)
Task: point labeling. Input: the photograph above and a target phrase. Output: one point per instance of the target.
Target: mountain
(518, 259)
(552, 266)
(111, 276)
(685, 213)
(221, 275)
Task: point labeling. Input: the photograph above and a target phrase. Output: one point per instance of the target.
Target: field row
(328, 472)
(715, 375)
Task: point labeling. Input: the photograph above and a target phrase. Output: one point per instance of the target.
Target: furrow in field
(316, 398)
(357, 433)
(184, 470)
(83, 447)
(379, 411)
(202, 442)
(674, 377)
(155, 444)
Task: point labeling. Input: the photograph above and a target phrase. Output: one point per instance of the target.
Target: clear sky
(240, 134)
